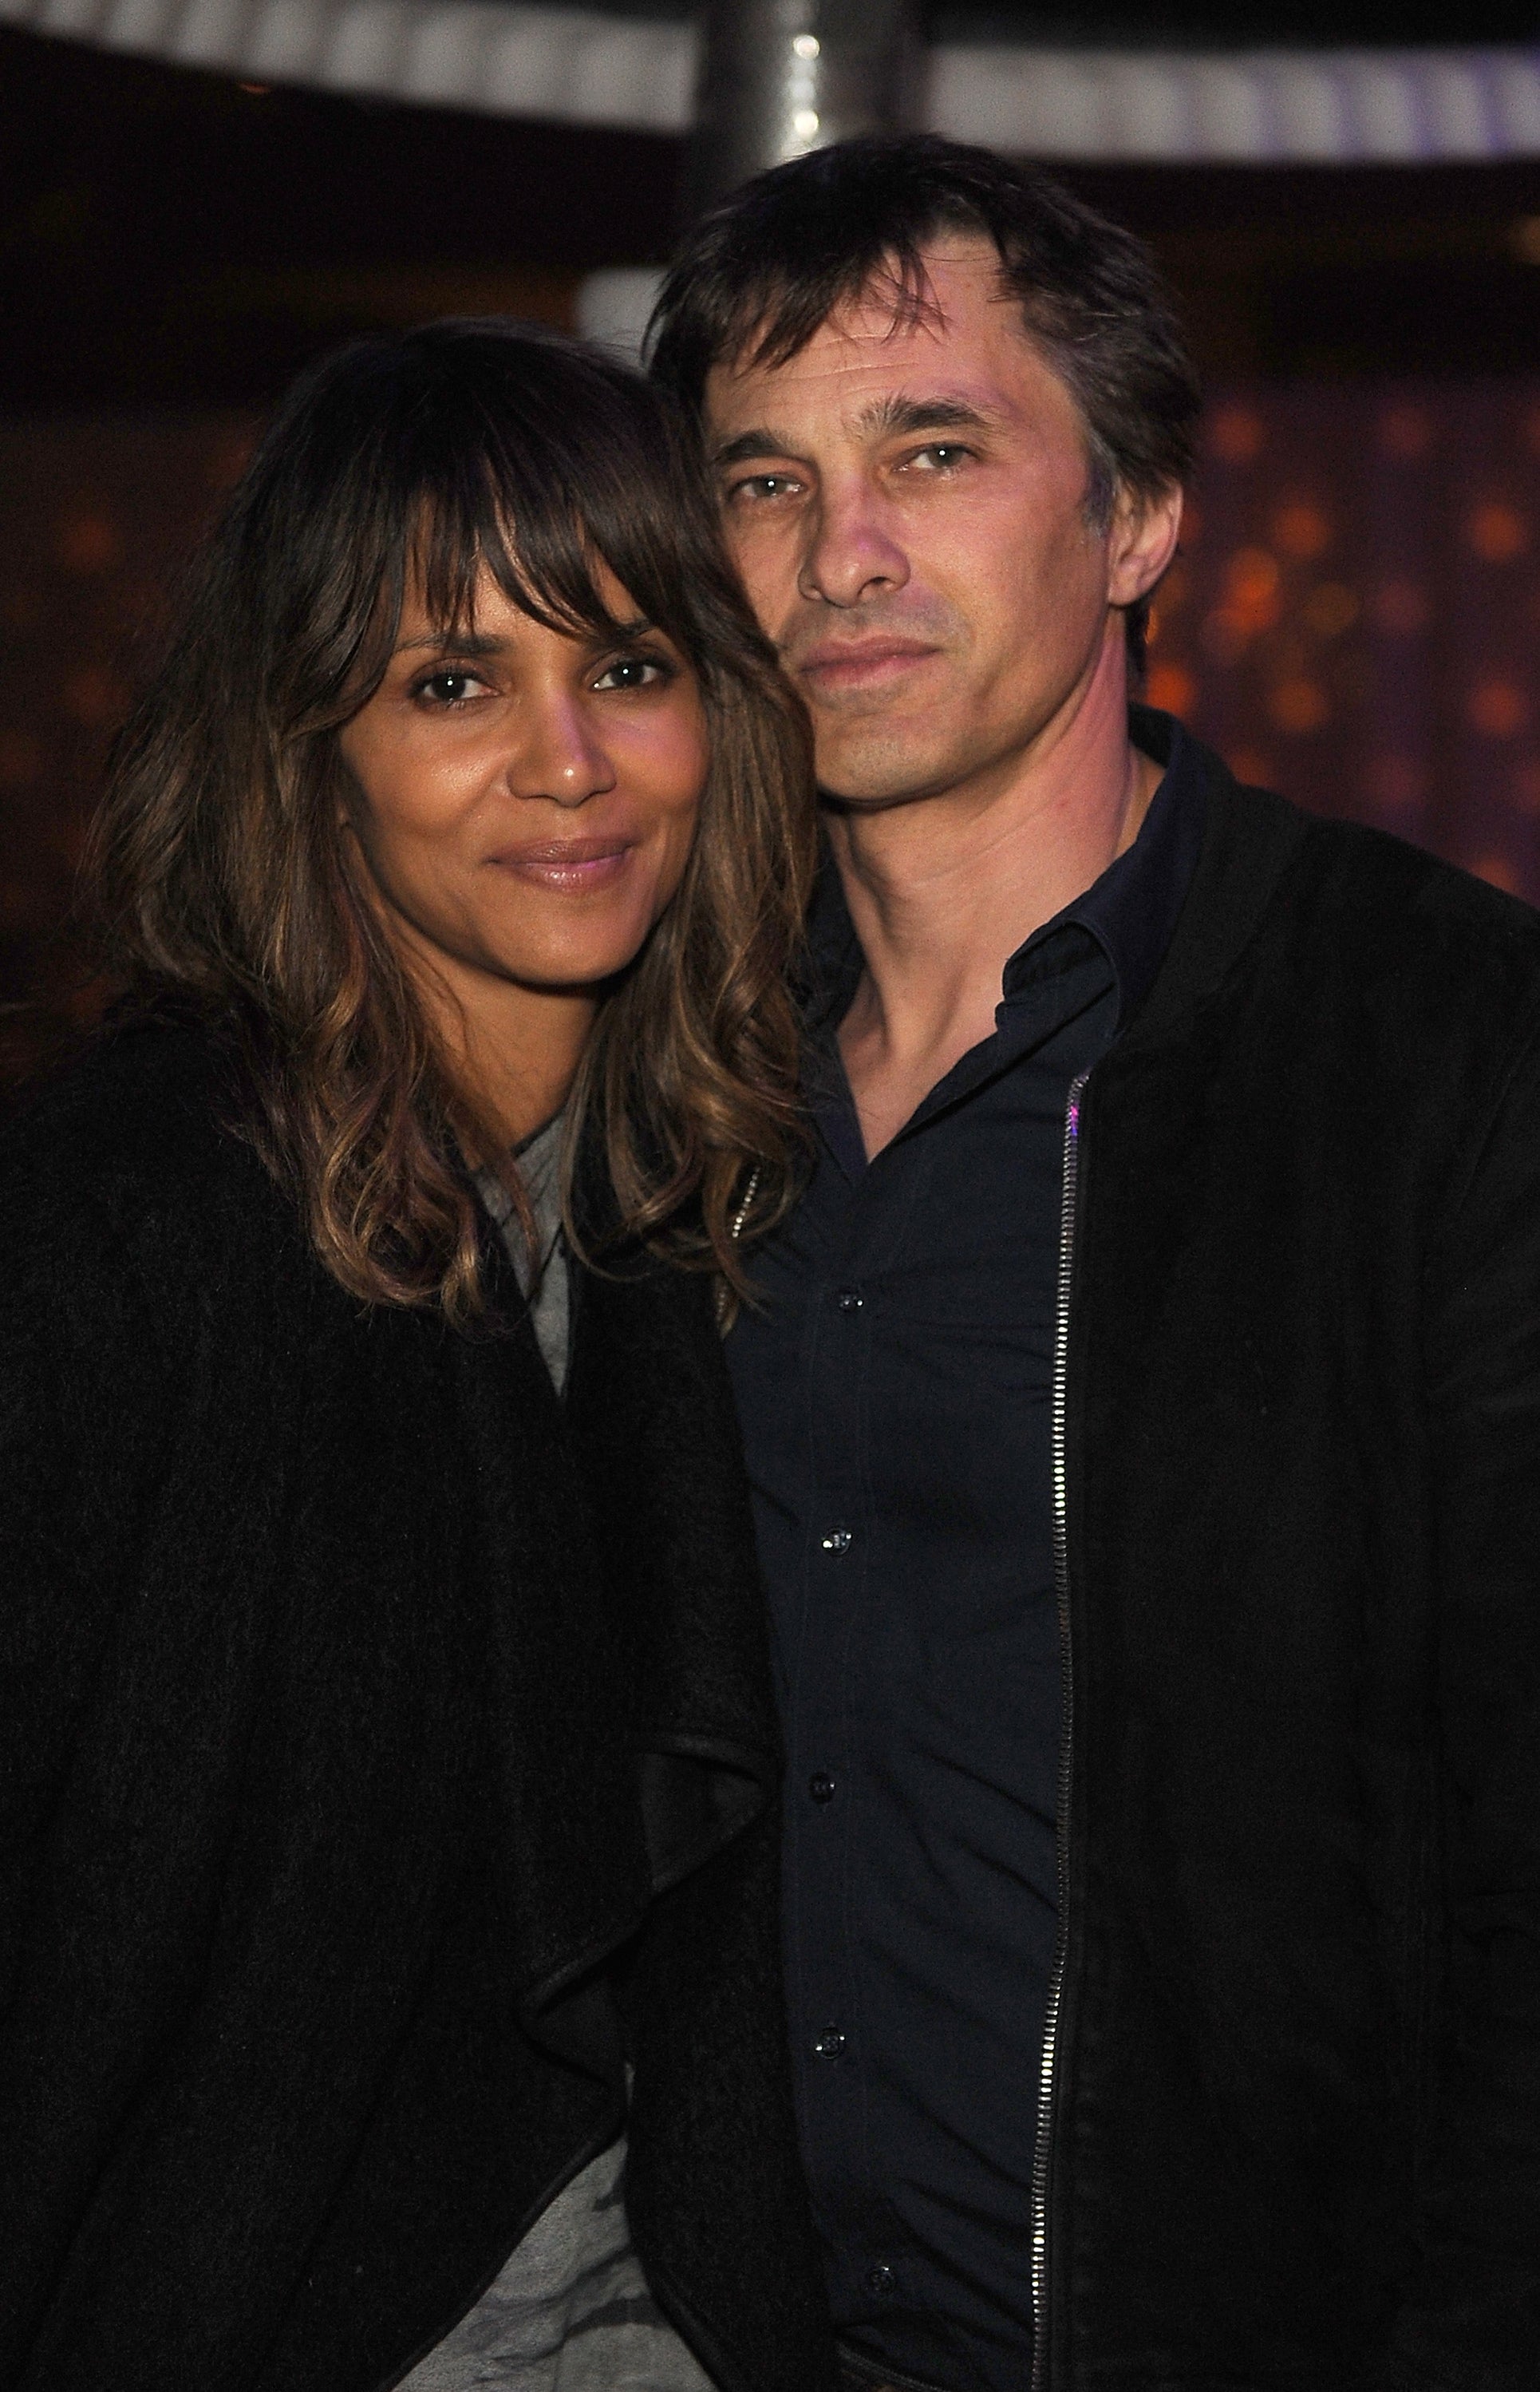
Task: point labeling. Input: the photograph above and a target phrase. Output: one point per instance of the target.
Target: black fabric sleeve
(83, 1418)
(83, 1429)
(1472, 2313)
(143, 1421)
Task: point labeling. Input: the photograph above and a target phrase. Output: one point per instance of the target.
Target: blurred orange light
(1497, 532)
(88, 544)
(1298, 705)
(1237, 433)
(1172, 688)
(1302, 528)
(1498, 708)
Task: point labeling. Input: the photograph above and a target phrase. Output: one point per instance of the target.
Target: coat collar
(630, 1713)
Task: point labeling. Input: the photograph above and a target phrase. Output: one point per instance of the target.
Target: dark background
(174, 238)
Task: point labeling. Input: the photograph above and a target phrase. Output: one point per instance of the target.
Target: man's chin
(868, 783)
(876, 756)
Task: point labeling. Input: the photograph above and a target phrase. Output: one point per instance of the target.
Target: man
(1143, 1402)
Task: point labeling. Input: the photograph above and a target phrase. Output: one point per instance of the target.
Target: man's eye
(632, 672)
(942, 456)
(765, 485)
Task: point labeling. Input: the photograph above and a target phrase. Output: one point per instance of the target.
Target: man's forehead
(887, 414)
(954, 274)
(890, 338)
(878, 367)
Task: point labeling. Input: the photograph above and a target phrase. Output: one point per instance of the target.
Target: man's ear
(1141, 544)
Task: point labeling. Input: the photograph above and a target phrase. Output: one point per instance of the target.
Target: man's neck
(943, 891)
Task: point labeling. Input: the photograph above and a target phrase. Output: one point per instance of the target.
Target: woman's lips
(572, 866)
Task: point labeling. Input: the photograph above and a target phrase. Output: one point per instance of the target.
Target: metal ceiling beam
(1150, 107)
(780, 77)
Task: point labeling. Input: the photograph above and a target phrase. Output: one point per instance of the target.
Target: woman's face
(526, 799)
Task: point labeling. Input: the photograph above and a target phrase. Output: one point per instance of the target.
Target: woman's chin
(574, 967)
(587, 949)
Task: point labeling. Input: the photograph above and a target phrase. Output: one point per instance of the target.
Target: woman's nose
(558, 753)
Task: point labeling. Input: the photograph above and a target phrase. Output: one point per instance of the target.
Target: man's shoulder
(1417, 939)
(1351, 905)
(1371, 869)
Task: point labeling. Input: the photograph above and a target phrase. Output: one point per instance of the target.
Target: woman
(387, 1763)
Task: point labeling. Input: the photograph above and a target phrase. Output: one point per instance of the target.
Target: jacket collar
(627, 1666)
(1248, 839)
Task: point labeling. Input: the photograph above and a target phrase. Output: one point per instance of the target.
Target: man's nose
(557, 752)
(852, 553)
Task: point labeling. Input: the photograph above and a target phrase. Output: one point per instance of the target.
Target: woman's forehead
(458, 584)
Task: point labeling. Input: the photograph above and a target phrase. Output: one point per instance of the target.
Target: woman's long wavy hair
(225, 880)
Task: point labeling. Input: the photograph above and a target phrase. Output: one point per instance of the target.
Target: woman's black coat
(385, 1756)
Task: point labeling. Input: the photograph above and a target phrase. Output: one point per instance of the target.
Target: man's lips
(571, 866)
(845, 665)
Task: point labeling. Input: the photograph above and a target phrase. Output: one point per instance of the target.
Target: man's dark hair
(758, 275)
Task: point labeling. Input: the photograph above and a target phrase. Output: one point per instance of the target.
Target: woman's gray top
(539, 1166)
(570, 2311)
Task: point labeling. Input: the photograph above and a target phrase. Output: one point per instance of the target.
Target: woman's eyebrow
(463, 643)
(488, 643)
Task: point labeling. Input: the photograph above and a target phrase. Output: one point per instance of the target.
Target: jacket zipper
(1057, 1411)
(735, 1231)
(735, 1227)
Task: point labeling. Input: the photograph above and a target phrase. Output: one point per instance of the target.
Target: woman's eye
(451, 686)
(632, 672)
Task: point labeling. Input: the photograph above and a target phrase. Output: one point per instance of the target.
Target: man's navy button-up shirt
(895, 1396)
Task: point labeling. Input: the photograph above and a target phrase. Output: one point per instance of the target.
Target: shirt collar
(1131, 911)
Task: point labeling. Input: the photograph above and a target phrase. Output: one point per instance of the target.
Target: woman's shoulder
(139, 1104)
(132, 1144)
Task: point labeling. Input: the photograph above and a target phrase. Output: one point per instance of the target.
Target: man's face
(906, 505)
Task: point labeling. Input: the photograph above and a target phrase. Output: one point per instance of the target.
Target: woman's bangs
(529, 532)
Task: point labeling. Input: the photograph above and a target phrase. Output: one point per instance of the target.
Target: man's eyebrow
(896, 414)
(761, 442)
(899, 413)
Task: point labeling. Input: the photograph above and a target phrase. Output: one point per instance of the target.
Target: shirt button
(879, 2280)
(828, 2043)
(822, 1787)
(836, 1541)
(849, 1300)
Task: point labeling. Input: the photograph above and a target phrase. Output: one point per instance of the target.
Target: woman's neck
(514, 1049)
(517, 1061)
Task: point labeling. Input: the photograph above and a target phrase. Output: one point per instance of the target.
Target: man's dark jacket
(385, 1758)
(1296, 2109)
